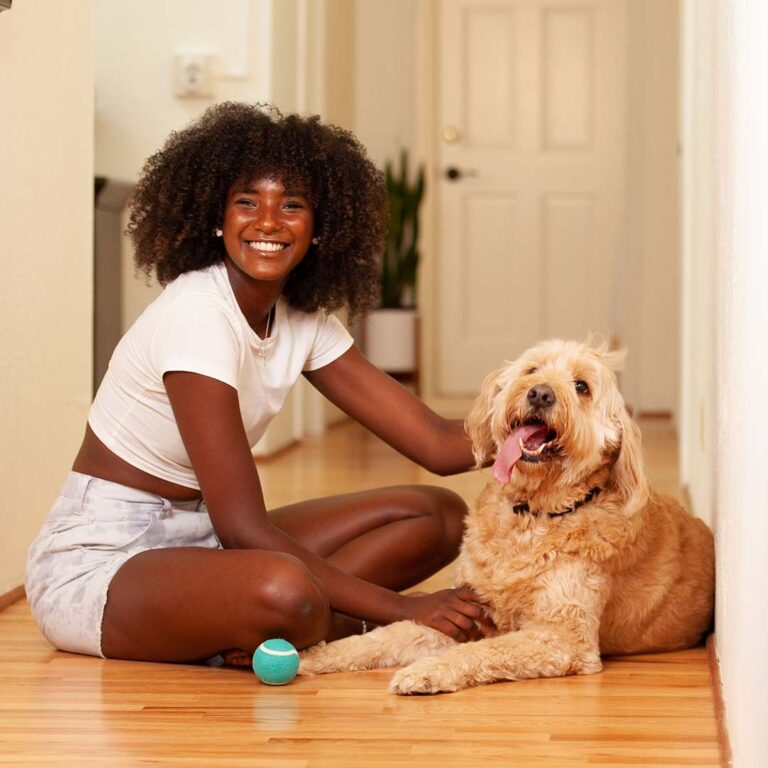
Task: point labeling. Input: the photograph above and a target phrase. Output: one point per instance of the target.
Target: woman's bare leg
(185, 604)
(190, 603)
(394, 537)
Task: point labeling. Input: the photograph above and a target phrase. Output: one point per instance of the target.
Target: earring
(315, 240)
(218, 232)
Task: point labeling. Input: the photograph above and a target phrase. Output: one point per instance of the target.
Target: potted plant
(390, 330)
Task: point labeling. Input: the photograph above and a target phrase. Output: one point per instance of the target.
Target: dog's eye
(531, 371)
(582, 387)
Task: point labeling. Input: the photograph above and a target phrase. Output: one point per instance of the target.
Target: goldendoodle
(571, 550)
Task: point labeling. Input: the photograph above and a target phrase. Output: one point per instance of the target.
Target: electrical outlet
(192, 76)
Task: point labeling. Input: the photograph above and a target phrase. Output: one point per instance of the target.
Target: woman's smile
(265, 246)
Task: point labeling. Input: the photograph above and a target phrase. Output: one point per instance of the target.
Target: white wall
(741, 371)
(724, 414)
(46, 221)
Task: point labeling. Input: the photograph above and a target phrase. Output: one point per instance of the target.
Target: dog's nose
(541, 396)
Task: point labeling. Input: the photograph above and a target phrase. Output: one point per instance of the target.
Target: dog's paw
(424, 676)
(316, 660)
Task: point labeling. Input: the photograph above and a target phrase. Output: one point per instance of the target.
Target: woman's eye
(582, 387)
(245, 201)
(293, 204)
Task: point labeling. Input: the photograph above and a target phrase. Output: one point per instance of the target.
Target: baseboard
(726, 755)
(9, 598)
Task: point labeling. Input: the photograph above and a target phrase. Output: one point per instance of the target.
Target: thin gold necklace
(262, 352)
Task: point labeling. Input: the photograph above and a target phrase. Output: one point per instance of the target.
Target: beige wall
(647, 293)
(46, 214)
(340, 63)
(386, 58)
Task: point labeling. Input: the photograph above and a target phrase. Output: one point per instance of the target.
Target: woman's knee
(291, 602)
(448, 510)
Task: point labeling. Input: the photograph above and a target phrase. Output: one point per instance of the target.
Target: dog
(572, 552)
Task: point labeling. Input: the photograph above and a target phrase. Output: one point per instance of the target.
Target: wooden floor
(59, 709)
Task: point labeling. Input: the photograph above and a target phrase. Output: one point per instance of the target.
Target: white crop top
(196, 325)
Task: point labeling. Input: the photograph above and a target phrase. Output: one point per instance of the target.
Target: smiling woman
(160, 546)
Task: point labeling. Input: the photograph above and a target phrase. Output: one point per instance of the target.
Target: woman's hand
(454, 612)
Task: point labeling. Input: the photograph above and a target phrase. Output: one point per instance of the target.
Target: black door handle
(454, 174)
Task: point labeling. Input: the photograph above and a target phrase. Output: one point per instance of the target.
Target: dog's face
(554, 413)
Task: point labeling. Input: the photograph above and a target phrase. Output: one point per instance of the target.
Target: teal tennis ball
(276, 662)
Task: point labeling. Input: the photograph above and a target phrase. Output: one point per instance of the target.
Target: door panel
(490, 63)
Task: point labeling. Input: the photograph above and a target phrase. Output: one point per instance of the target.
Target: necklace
(262, 352)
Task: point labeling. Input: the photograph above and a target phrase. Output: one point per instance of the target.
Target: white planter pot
(390, 339)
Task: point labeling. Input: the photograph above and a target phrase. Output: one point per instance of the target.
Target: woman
(160, 546)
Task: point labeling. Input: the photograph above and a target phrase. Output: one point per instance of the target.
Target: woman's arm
(394, 414)
(207, 412)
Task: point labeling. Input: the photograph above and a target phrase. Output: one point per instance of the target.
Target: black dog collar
(524, 509)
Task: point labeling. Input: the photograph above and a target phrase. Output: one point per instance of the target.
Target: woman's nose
(266, 220)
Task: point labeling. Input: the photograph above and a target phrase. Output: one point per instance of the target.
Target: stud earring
(315, 240)
(218, 232)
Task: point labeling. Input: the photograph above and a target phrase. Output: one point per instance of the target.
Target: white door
(531, 154)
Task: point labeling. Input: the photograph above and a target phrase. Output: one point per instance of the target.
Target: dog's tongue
(510, 452)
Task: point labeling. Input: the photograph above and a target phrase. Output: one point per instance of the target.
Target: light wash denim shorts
(92, 529)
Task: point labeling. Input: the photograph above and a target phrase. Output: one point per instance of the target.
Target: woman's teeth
(261, 245)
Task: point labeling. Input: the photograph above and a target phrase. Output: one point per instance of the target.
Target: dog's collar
(524, 509)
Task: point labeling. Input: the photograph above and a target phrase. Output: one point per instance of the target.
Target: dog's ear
(613, 357)
(628, 473)
(478, 424)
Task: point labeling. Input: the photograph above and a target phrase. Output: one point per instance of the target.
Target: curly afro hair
(180, 198)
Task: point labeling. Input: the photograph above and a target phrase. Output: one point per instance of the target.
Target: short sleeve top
(196, 325)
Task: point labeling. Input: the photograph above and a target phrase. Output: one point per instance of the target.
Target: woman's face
(267, 227)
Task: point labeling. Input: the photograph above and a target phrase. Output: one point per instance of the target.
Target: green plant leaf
(400, 260)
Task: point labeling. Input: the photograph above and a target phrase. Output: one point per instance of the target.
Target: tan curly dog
(571, 550)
